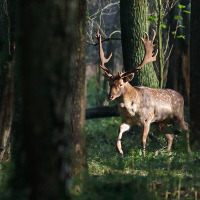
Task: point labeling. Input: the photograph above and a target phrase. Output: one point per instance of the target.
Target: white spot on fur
(121, 105)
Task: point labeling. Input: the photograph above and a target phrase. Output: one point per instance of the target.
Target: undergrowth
(160, 175)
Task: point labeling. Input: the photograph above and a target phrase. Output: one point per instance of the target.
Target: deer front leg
(144, 137)
(124, 127)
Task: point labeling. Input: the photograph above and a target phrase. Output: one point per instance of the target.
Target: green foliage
(153, 18)
(87, 16)
(181, 6)
(181, 36)
(163, 26)
(186, 11)
(178, 17)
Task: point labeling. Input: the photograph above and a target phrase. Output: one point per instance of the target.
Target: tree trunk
(179, 62)
(79, 94)
(6, 79)
(160, 43)
(185, 57)
(44, 68)
(195, 73)
(133, 14)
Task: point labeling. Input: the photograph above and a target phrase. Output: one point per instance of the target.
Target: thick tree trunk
(44, 68)
(79, 94)
(6, 80)
(133, 14)
(195, 73)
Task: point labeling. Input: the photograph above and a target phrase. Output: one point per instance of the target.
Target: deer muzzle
(110, 97)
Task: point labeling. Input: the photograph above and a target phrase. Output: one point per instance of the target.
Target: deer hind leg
(144, 137)
(163, 128)
(184, 126)
(123, 128)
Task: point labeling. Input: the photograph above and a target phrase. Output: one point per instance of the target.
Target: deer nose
(110, 97)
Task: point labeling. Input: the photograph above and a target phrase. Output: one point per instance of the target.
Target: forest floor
(159, 175)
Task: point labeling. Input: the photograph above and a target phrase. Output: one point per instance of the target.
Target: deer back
(141, 105)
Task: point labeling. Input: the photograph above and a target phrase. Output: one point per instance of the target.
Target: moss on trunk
(133, 14)
(79, 93)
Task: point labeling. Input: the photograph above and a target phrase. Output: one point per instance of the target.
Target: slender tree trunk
(195, 73)
(79, 94)
(6, 79)
(44, 69)
(160, 46)
(133, 14)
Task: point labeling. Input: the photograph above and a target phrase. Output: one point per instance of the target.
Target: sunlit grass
(160, 175)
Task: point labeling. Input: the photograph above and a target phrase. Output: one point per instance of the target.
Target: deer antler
(148, 57)
(102, 57)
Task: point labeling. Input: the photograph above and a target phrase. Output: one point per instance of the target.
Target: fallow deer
(142, 106)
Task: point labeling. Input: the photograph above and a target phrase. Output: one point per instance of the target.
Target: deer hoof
(119, 149)
(189, 150)
(121, 152)
(144, 153)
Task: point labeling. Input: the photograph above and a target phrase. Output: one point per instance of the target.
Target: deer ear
(128, 77)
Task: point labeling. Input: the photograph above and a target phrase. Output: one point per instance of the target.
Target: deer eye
(120, 85)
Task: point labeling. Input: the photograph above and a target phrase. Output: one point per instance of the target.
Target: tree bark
(133, 17)
(44, 68)
(79, 94)
(160, 43)
(6, 79)
(195, 73)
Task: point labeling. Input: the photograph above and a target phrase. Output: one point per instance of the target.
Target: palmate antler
(102, 57)
(149, 55)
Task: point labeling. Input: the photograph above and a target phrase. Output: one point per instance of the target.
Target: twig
(167, 42)
(172, 44)
(98, 27)
(107, 6)
(114, 33)
(95, 44)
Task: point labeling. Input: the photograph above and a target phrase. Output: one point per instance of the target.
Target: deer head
(119, 83)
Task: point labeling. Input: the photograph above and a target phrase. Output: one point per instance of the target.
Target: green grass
(161, 175)
(6, 169)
